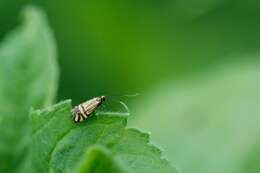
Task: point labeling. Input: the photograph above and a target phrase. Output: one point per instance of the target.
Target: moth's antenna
(125, 112)
(122, 95)
(131, 95)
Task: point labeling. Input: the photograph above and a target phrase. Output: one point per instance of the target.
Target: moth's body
(84, 110)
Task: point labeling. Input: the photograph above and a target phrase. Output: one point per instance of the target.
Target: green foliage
(215, 119)
(28, 77)
(48, 140)
(100, 144)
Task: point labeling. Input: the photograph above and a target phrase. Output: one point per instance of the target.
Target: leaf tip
(145, 137)
(31, 11)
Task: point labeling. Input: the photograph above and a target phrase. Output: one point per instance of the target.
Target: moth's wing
(90, 105)
(78, 118)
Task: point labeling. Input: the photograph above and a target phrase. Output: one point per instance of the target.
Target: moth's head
(103, 98)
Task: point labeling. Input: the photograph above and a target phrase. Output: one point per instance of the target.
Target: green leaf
(100, 144)
(28, 77)
(214, 116)
(98, 160)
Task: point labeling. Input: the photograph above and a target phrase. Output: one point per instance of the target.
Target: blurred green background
(119, 47)
(195, 64)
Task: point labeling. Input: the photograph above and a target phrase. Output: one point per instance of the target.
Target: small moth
(84, 110)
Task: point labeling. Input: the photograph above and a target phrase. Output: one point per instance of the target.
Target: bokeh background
(194, 63)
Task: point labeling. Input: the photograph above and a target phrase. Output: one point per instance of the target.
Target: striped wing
(86, 109)
(89, 106)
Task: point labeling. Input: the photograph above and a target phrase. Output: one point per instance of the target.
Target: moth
(84, 110)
